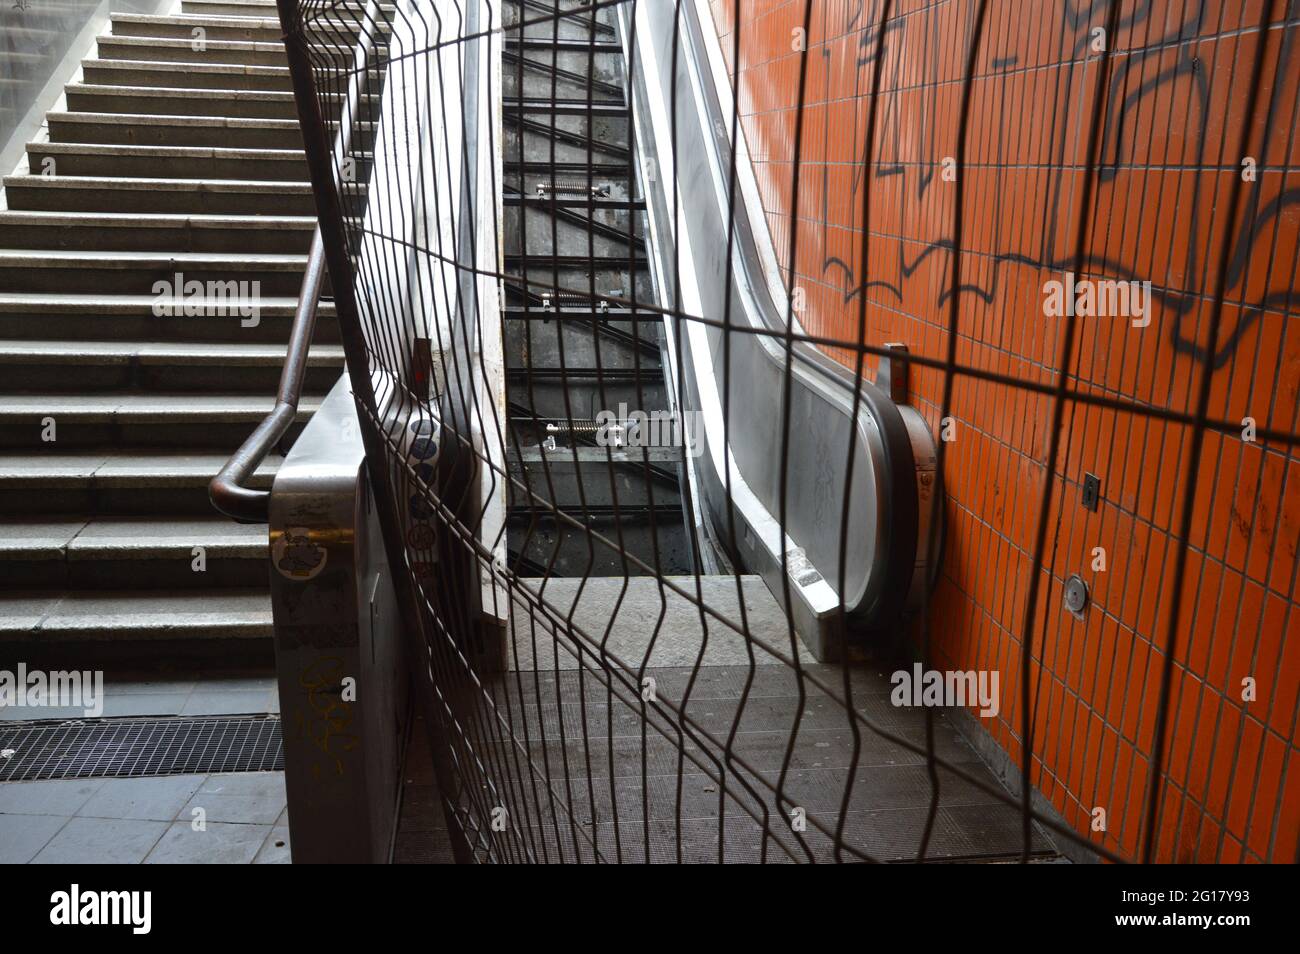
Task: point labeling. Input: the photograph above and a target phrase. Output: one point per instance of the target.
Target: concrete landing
(631, 617)
(568, 754)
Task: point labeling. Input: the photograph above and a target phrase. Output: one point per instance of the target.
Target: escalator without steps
(584, 343)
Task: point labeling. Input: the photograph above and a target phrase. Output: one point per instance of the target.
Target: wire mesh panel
(829, 431)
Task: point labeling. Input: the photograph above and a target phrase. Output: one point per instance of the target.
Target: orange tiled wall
(1174, 107)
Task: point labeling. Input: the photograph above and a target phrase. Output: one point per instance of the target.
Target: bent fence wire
(922, 168)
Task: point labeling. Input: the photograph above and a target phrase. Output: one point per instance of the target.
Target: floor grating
(137, 748)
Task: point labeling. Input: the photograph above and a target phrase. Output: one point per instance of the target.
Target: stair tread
(176, 42)
(188, 152)
(185, 92)
(56, 258)
(209, 20)
(109, 610)
(164, 119)
(94, 537)
(22, 302)
(171, 66)
(252, 4)
(158, 352)
(142, 184)
(155, 220)
(118, 465)
(152, 405)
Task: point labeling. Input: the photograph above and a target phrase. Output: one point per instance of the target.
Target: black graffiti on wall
(1170, 65)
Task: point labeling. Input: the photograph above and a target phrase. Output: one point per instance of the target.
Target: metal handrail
(227, 490)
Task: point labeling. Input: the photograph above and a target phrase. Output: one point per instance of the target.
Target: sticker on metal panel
(295, 556)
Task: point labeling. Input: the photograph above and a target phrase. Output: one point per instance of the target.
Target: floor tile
(22, 836)
(218, 844)
(40, 713)
(118, 704)
(235, 683)
(224, 702)
(275, 850)
(251, 797)
(101, 841)
(61, 796)
(155, 799)
(135, 685)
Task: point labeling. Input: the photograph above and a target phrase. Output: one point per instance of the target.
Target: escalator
(596, 442)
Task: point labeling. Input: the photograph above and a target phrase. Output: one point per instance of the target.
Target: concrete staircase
(113, 418)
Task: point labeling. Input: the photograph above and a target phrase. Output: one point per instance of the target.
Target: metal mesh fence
(504, 191)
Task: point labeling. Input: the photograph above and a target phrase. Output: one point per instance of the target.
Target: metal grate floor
(135, 748)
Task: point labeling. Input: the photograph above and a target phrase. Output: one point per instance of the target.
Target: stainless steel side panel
(338, 645)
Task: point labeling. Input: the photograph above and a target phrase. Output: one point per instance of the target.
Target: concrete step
(78, 628)
(340, 31)
(123, 481)
(136, 129)
(226, 103)
(104, 231)
(186, 366)
(139, 129)
(95, 317)
(135, 273)
(265, 8)
(171, 162)
(215, 421)
(186, 75)
(230, 8)
(132, 552)
(158, 196)
(163, 49)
